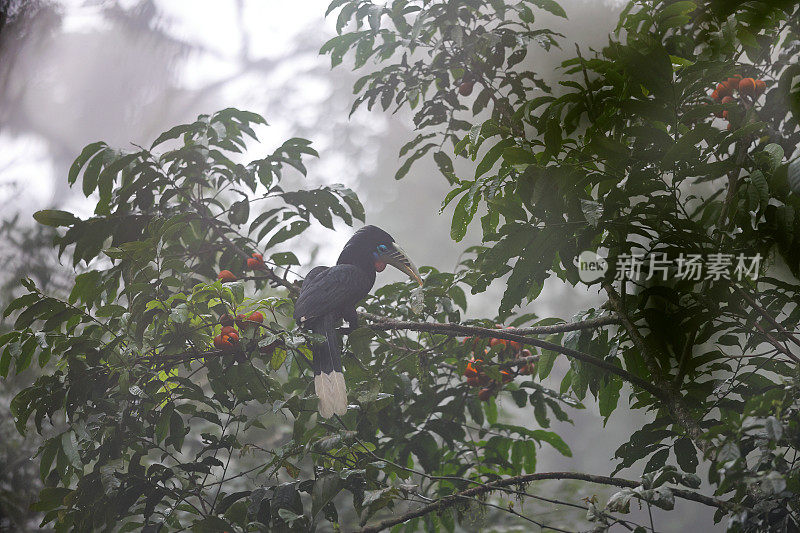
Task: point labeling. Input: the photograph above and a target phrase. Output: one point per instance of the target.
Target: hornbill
(330, 294)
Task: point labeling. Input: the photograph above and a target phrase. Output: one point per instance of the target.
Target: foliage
(625, 156)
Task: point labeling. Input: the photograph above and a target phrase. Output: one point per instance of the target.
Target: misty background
(73, 72)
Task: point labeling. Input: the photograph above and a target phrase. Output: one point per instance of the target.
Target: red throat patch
(379, 266)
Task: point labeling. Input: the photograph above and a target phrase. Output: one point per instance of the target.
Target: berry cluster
(477, 377)
(748, 90)
(254, 262)
(229, 336)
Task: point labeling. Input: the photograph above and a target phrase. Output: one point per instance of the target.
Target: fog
(74, 72)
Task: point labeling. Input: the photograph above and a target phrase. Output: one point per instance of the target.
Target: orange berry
(485, 394)
(226, 320)
(497, 342)
(470, 371)
(256, 316)
(728, 100)
(226, 276)
(761, 86)
(258, 257)
(747, 87)
(725, 114)
(223, 342)
(733, 82)
(233, 337)
(255, 264)
(227, 330)
(723, 90)
(714, 95)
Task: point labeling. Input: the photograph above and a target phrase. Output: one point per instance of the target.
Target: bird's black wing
(330, 290)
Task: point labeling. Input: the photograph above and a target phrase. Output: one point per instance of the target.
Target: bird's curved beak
(398, 259)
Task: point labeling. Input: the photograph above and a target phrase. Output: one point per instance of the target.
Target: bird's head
(373, 244)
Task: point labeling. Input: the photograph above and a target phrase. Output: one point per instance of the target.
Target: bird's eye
(383, 248)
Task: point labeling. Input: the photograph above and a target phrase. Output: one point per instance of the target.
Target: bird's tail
(328, 377)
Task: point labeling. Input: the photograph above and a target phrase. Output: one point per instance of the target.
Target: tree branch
(668, 394)
(449, 501)
(769, 318)
(452, 329)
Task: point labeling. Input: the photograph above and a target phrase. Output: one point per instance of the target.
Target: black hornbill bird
(330, 294)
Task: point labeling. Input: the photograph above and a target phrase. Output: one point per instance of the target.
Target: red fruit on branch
(256, 316)
(497, 342)
(226, 276)
(470, 371)
(747, 87)
(732, 83)
(226, 320)
(256, 263)
(484, 395)
(723, 91)
(226, 330)
(761, 86)
(527, 370)
(223, 342)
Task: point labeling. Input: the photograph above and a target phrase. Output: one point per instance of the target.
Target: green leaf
(211, 524)
(173, 133)
(240, 212)
(491, 157)
(609, 397)
(553, 440)
(552, 6)
(55, 218)
(69, 445)
(760, 183)
(325, 489)
(162, 426)
(82, 159)
(278, 357)
(775, 155)
(686, 454)
(793, 176)
(462, 216)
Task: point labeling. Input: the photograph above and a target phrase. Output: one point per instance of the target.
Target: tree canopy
(674, 145)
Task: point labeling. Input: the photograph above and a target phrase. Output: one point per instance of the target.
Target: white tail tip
(332, 394)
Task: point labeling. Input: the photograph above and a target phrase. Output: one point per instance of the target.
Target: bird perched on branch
(330, 294)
